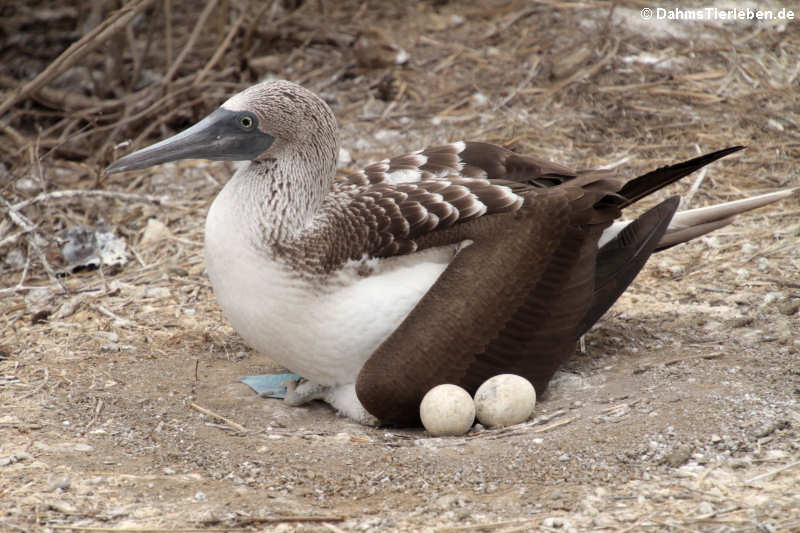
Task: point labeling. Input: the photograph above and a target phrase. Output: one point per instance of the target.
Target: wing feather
(462, 159)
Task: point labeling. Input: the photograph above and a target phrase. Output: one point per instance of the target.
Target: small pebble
(555, 522)
(28, 185)
(14, 259)
(62, 507)
(15, 458)
(678, 456)
(154, 232)
(478, 99)
(61, 482)
(705, 508)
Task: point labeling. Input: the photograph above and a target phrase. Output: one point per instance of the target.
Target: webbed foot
(342, 398)
(300, 392)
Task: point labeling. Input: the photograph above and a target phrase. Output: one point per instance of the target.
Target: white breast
(324, 333)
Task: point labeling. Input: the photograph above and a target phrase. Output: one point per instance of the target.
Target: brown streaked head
(262, 121)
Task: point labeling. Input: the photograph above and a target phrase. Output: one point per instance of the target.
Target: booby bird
(448, 265)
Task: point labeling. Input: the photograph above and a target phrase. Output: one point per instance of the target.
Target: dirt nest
(119, 408)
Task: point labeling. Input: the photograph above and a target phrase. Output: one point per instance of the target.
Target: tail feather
(692, 223)
(681, 235)
(619, 261)
(648, 183)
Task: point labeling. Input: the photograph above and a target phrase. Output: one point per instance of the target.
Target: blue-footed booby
(448, 265)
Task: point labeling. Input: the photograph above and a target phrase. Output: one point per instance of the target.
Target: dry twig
(238, 427)
(773, 472)
(198, 27)
(77, 50)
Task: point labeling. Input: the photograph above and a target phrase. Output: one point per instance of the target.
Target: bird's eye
(246, 122)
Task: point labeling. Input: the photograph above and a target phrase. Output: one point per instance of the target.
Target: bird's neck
(278, 198)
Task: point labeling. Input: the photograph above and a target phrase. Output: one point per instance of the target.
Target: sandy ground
(681, 414)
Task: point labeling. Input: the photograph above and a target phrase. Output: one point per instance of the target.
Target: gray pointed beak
(222, 136)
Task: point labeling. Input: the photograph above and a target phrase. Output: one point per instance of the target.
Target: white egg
(447, 410)
(504, 400)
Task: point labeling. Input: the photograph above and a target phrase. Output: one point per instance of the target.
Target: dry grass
(586, 84)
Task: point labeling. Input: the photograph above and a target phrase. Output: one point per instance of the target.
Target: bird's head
(266, 120)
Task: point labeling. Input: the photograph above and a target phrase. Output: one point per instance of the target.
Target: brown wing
(517, 299)
(462, 159)
(500, 163)
(513, 296)
(385, 219)
(416, 211)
